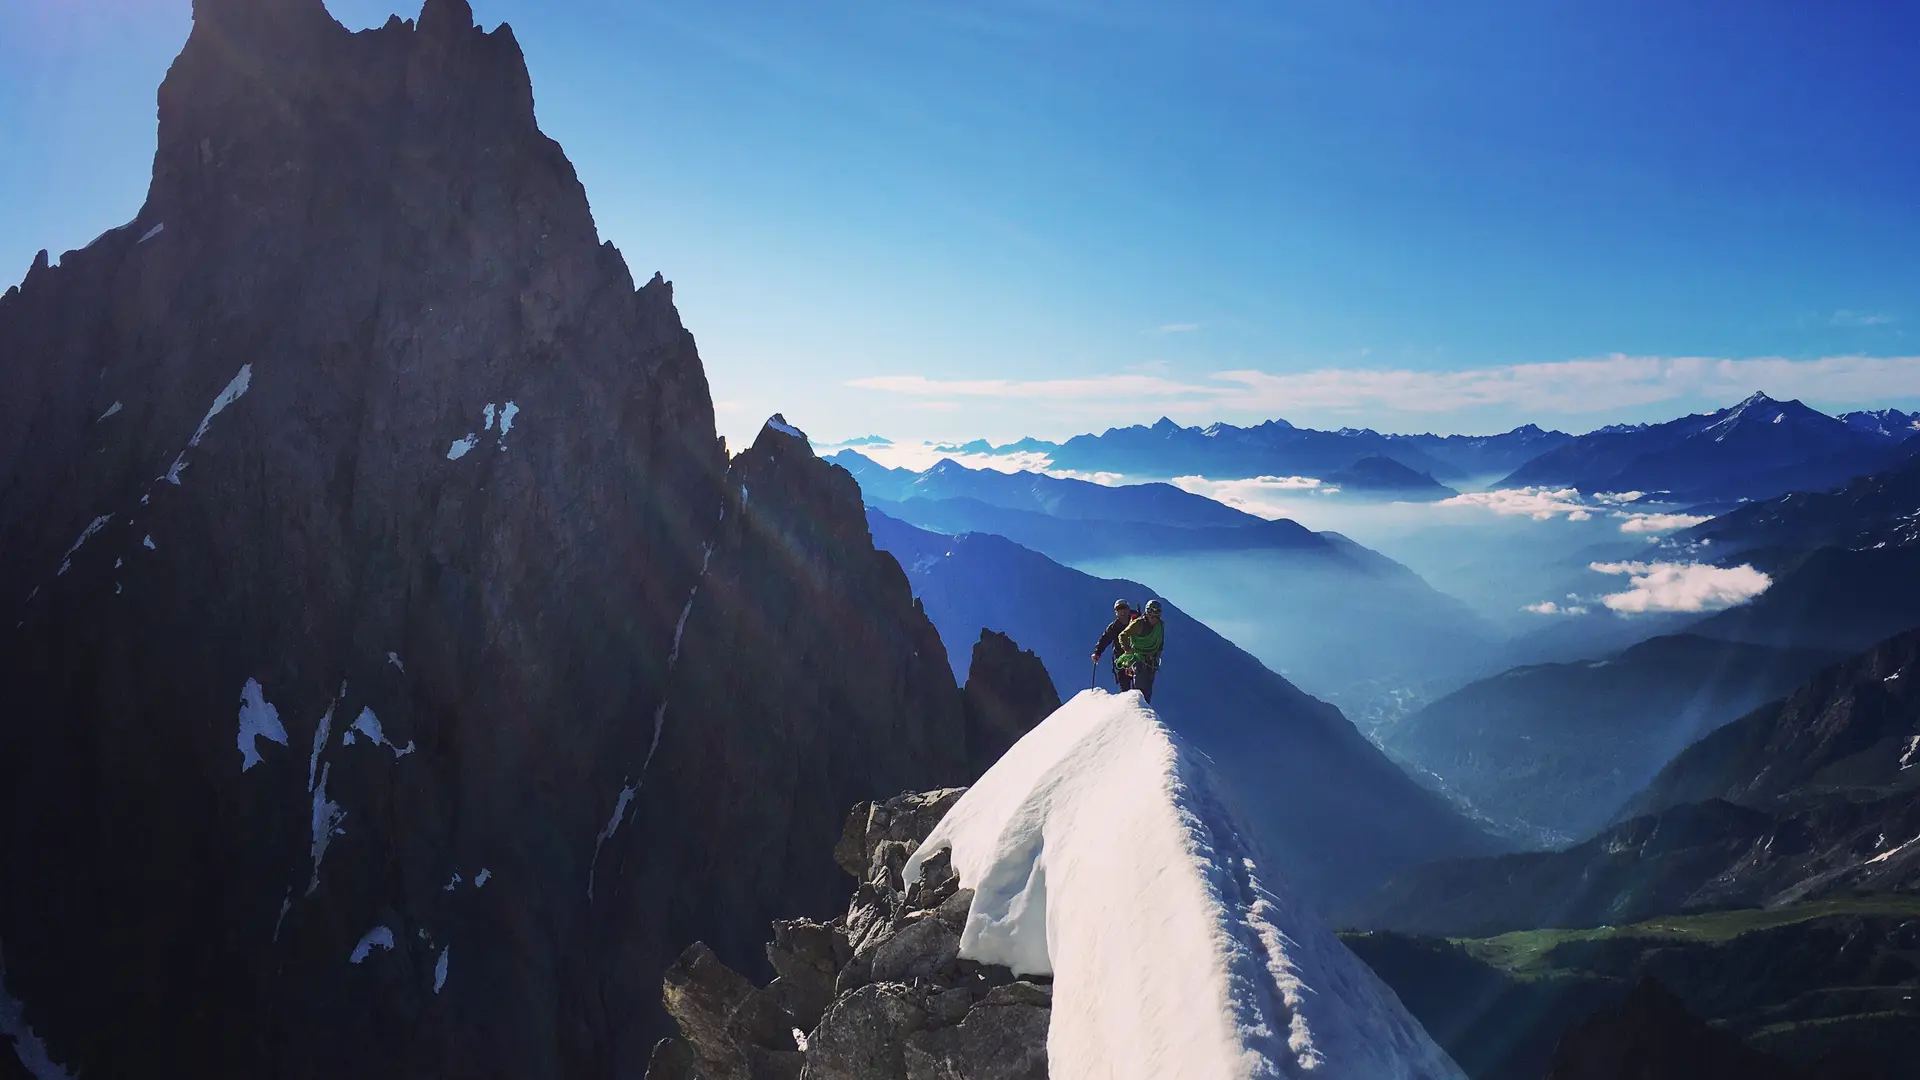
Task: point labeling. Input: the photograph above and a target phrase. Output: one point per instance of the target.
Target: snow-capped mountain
(1890, 424)
(1756, 449)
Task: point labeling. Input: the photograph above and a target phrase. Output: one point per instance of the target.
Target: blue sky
(1008, 217)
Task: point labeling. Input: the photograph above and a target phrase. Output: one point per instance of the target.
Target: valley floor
(1830, 985)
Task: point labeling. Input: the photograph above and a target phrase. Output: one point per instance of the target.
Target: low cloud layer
(1545, 504)
(1684, 587)
(1255, 495)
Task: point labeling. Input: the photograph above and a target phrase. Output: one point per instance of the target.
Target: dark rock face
(1808, 797)
(1652, 1036)
(1008, 691)
(328, 746)
(1854, 728)
(1557, 749)
(898, 1002)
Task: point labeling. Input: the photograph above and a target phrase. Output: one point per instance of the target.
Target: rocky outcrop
(1008, 691)
(877, 993)
(394, 662)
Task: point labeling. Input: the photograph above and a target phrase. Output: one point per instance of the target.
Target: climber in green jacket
(1140, 645)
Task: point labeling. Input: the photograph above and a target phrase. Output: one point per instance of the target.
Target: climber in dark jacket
(1122, 618)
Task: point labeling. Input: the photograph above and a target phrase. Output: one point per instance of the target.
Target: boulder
(878, 994)
(864, 1035)
(994, 1042)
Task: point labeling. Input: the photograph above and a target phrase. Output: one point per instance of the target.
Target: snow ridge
(1100, 828)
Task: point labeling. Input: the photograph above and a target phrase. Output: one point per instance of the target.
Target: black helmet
(1153, 607)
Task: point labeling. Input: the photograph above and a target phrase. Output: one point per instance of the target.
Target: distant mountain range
(1063, 517)
(1165, 449)
(1347, 622)
(1817, 795)
(1757, 449)
(1056, 497)
(1338, 814)
(1888, 423)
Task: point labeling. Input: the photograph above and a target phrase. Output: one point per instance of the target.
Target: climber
(1142, 641)
(1122, 617)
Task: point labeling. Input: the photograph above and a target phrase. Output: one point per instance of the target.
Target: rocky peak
(1008, 691)
(395, 663)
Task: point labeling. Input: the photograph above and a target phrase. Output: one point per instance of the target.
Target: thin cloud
(1548, 607)
(1844, 317)
(1177, 328)
(1105, 386)
(1565, 386)
(1688, 587)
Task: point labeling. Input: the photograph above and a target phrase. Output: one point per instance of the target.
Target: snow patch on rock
(394, 659)
(380, 937)
(111, 409)
(147, 542)
(368, 724)
(151, 233)
(258, 720)
(612, 826)
(235, 387)
(327, 816)
(460, 446)
(480, 879)
(779, 424)
(1885, 855)
(94, 526)
(507, 413)
(440, 969)
(1101, 826)
(320, 736)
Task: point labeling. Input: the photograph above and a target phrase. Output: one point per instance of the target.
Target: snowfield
(1099, 852)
